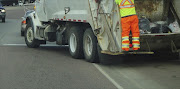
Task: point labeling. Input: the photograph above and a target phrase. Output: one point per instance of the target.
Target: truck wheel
(90, 46)
(76, 42)
(31, 42)
(3, 20)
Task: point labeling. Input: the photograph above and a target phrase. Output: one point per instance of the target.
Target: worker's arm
(117, 2)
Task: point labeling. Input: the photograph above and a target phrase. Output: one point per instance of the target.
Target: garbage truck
(93, 27)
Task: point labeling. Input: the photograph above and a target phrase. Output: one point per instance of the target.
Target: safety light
(34, 7)
(24, 22)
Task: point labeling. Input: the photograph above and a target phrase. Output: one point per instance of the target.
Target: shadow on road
(141, 60)
(130, 60)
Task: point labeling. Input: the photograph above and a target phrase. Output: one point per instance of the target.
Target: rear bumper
(160, 42)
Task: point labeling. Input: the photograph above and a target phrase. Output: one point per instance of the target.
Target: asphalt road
(51, 66)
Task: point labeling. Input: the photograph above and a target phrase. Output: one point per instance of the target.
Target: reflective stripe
(125, 39)
(125, 48)
(136, 44)
(135, 39)
(127, 6)
(130, 2)
(125, 45)
(136, 47)
(122, 3)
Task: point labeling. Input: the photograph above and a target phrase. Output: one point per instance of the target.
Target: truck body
(86, 25)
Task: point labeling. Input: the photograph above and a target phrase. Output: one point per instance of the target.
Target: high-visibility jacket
(127, 7)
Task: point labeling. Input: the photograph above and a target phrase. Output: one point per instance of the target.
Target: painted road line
(108, 77)
(14, 44)
(47, 45)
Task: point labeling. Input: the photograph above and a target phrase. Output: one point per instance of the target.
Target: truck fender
(34, 20)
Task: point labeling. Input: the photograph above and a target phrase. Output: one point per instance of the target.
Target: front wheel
(31, 42)
(3, 20)
(90, 46)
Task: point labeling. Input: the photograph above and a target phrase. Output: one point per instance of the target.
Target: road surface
(51, 66)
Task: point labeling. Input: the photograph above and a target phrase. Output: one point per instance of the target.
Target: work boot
(125, 50)
(135, 51)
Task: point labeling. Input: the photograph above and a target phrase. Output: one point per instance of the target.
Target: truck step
(122, 53)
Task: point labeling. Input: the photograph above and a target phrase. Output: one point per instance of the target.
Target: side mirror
(66, 9)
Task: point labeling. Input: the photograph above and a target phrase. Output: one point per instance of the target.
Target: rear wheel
(90, 46)
(76, 42)
(31, 42)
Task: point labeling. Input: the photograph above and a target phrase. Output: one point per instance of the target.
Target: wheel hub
(30, 35)
(73, 43)
(88, 45)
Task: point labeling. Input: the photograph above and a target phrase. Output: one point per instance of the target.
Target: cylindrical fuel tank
(155, 10)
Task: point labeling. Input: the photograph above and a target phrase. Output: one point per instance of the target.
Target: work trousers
(130, 23)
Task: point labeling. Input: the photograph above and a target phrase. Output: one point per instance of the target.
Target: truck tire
(3, 20)
(31, 42)
(76, 42)
(90, 46)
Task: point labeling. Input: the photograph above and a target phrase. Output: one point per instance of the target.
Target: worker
(129, 22)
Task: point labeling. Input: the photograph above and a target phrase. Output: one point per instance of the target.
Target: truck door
(40, 10)
(107, 19)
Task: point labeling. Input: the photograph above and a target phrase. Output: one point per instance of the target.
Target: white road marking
(108, 77)
(14, 44)
(46, 45)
